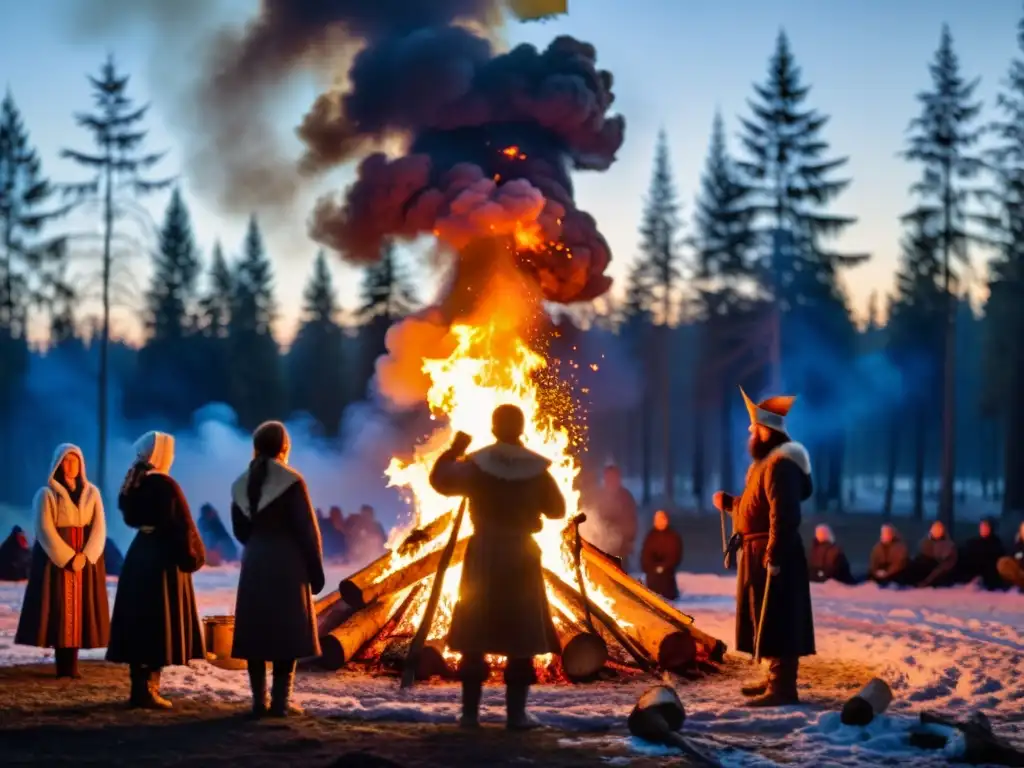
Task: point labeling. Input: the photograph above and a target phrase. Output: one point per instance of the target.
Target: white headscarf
(157, 450)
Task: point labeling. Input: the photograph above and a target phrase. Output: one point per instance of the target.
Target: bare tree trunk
(920, 454)
(698, 455)
(726, 459)
(1013, 444)
(667, 433)
(948, 471)
(836, 452)
(892, 461)
(104, 372)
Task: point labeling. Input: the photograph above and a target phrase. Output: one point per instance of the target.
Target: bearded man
(766, 534)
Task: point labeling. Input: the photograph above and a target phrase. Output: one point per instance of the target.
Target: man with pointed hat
(766, 534)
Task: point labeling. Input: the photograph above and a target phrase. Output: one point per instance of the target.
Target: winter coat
(282, 568)
(503, 606)
(615, 529)
(979, 558)
(660, 557)
(1011, 567)
(15, 556)
(935, 563)
(156, 620)
(61, 608)
(889, 561)
(827, 562)
(767, 517)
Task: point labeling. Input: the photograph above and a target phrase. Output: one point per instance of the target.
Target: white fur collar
(795, 453)
(280, 477)
(509, 462)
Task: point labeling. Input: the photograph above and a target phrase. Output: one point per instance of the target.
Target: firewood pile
(364, 621)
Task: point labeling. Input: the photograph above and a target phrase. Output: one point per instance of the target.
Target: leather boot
(156, 701)
(258, 684)
(138, 692)
(755, 689)
(517, 718)
(782, 690)
(472, 692)
(281, 690)
(66, 663)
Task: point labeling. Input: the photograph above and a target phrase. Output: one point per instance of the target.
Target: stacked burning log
(361, 621)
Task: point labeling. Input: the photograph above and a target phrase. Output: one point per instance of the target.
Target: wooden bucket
(219, 632)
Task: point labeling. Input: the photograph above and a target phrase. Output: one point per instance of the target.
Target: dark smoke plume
(490, 142)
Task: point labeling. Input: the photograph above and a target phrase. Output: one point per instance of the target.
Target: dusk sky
(675, 62)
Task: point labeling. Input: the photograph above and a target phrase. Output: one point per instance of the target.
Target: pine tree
(386, 295)
(29, 262)
(792, 187)
(942, 140)
(118, 163)
(660, 249)
(169, 377)
(1003, 361)
(214, 325)
(258, 391)
(316, 365)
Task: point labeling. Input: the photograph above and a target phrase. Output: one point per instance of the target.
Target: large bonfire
(479, 145)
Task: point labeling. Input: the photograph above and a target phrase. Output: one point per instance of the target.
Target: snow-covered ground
(954, 650)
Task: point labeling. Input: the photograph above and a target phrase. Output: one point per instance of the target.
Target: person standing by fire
(282, 568)
(503, 606)
(65, 605)
(156, 621)
(774, 616)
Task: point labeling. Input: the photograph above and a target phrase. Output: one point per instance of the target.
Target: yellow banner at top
(530, 10)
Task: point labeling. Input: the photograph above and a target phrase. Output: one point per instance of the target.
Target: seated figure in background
(979, 557)
(827, 561)
(935, 563)
(1011, 567)
(333, 531)
(661, 556)
(889, 558)
(15, 556)
(220, 548)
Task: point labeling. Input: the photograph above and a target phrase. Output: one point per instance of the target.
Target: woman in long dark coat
(282, 568)
(155, 621)
(660, 557)
(65, 605)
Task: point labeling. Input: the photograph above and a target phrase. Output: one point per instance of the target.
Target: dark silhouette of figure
(661, 556)
(15, 556)
(890, 558)
(220, 547)
(827, 561)
(979, 557)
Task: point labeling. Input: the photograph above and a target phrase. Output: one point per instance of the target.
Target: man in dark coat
(15, 556)
(615, 527)
(503, 607)
(766, 525)
(828, 561)
(660, 557)
(889, 558)
(1011, 567)
(979, 557)
(935, 563)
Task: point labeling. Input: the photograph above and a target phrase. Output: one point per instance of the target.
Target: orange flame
(513, 153)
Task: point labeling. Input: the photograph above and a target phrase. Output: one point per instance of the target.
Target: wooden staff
(416, 648)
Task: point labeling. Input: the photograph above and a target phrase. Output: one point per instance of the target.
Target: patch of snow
(956, 650)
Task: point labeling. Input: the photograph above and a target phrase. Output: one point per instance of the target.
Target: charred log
(431, 661)
(351, 589)
(414, 572)
(343, 643)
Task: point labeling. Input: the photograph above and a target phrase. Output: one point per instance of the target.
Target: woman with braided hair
(282, 568)
(156, 621)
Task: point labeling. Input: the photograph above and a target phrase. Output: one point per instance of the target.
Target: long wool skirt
(63, 609)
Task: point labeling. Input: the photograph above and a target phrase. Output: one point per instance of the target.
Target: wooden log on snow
(671, 645)
(411, 574)
(330, 611)
(340, 645)
(431, 661)
(351, 588)
(597, 561)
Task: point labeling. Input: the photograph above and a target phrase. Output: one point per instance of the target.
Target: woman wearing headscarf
(155, 621)
(282, 568)
(65, 605)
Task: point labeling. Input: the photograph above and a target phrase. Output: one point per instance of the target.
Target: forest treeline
(746, 289)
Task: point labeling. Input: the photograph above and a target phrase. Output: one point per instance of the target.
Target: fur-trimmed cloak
(503, 607)
(768, 517)
(282, 568)
(61, 608)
